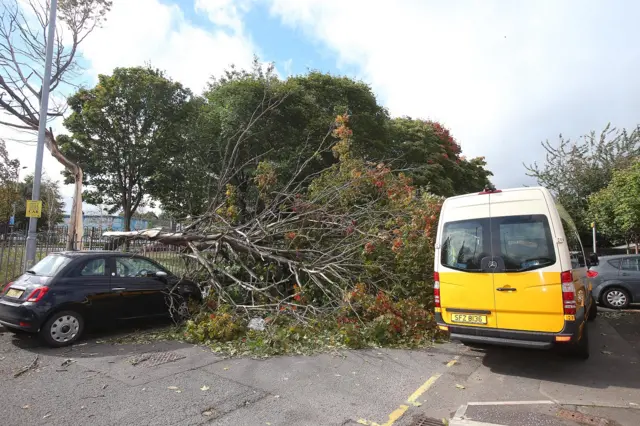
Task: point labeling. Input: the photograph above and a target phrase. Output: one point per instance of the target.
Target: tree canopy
(121, 131)
(616, 208)
(285, 120)
(573, 170)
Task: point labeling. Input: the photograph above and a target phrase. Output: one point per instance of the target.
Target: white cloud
(150, 31)
(146, 31)
(503, 75)
(225, 13)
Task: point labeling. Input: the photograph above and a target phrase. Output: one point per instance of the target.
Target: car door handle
(624, 274)
(506, 289)
(118, 289)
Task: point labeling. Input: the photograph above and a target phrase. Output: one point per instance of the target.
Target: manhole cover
(423, 420)
(155, 358)
(584, 419)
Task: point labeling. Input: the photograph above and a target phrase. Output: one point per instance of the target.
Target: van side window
(462, 244)
(573, 243)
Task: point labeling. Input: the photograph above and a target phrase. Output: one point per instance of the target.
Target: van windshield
(523, 243)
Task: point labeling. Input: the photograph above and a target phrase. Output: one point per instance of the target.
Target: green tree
(9, 189)
(573, 170)
(430, 155)
(616, 208)
(52, 203)
(121, 130)
(283, 122)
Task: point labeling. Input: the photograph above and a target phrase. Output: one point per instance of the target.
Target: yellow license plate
(14, 293)
(469, 319)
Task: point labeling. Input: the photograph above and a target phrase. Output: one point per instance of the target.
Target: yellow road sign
(34, 208)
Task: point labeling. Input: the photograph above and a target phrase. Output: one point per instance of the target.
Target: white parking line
(510, 402)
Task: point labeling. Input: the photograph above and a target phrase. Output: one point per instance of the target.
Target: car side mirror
(161, 274)
(593, 259)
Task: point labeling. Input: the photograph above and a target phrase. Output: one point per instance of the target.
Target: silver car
(616, 280)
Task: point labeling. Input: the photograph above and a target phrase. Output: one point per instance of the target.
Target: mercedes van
(510, 270)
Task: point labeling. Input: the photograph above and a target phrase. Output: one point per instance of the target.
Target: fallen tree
(354, 222)
(351, 245)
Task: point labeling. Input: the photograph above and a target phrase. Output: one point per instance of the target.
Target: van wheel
(580, 349)
(593, 310)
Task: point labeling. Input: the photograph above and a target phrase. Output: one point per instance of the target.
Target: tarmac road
(170, 383)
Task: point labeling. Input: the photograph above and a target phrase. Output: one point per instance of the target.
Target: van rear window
(464, 244)
(523, 243)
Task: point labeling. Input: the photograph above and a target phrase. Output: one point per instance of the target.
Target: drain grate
(584, 419)
(422, 420)
(153, 359)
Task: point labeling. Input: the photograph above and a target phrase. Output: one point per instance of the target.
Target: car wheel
(593, 310)
(62, 329)
(616, 298)
(580, 349)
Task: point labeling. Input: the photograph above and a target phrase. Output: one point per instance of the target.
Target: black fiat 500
(65, 291)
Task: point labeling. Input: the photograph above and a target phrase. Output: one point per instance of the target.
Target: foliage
(52, 203)
(9, 188)
(8, 167)
(120, 131)
(430, 155)
(616, 208)
(280, 122)
(221, 326)
(576, 169)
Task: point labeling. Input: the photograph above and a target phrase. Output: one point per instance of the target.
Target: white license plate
(15, 293)
(469, 318)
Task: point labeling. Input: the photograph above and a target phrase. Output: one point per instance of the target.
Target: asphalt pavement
(171, 383)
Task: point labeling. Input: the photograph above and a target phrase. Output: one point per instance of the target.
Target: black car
(65, 291)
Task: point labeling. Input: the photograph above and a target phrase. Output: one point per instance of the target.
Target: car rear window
(523, 242)
(50, 265)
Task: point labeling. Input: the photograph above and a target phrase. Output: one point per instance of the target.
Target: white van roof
(520, 189)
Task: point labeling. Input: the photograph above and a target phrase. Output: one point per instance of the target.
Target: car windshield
(49, 266)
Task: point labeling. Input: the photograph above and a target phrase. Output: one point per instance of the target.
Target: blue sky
(502, 76)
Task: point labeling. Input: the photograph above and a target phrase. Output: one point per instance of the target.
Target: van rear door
(466, 286)
(528, 289)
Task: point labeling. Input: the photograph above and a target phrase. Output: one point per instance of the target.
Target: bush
(219, 326)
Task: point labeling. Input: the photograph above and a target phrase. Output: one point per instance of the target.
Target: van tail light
(436, 289)
(37, 294)
(592, 274)
(568, 293)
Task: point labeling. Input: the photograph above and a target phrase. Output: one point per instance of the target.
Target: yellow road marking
(453, 361)
(393, 417)
(413, 400)
(426, 385)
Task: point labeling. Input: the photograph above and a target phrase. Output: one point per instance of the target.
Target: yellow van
(510, 270)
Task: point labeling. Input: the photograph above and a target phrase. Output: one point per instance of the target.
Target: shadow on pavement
(612, 362)
(127, 338)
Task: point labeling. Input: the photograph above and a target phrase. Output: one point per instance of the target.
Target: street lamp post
(42, 127)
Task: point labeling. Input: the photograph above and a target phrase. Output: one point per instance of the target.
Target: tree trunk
(75, 221)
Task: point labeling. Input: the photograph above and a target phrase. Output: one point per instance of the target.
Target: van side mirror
(593, 259)
(161, 274)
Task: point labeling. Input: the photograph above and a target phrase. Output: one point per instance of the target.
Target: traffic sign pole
(42, 127)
